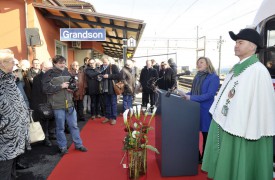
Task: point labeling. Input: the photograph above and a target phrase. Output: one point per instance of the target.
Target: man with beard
(55, 85)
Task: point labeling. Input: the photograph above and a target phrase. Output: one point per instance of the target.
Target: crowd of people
(237, 126)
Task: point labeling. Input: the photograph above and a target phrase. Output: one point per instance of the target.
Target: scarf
(197, 83)
(240, 67)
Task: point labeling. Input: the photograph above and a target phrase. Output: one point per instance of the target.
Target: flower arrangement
(136, 139)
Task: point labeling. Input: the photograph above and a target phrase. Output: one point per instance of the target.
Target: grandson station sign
(82, 34)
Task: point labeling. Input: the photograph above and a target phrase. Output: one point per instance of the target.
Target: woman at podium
(204, 88)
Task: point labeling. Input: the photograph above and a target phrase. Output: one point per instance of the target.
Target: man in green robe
(240, 143)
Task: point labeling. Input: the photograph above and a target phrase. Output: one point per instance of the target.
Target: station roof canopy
(115, 26)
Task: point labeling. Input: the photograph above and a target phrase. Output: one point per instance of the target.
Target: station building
(31, 29)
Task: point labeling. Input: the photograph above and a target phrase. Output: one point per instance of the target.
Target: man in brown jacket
(80, 92)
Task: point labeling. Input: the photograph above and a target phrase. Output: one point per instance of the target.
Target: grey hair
(6, 54)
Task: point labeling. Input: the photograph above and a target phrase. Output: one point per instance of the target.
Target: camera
(99, 77)
(72, 83)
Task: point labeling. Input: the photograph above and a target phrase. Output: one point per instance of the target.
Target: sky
(175, 23)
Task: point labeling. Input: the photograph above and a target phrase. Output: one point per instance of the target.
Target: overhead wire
(219, 12)
(233, 19)
(167, 12)
(185, 11)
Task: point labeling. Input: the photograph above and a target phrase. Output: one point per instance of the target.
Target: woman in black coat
(167, 78)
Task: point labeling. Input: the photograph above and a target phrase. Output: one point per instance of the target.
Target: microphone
(168, 93)
(180, 74)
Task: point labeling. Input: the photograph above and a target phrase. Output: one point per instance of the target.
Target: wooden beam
(90, 22)
(66, 15)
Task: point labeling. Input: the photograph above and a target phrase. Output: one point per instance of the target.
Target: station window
(61, 49)
(269, 54)
(270, 38)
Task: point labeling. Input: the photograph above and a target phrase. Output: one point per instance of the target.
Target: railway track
(185, 83)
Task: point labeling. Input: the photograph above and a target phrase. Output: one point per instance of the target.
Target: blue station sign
(82, 34)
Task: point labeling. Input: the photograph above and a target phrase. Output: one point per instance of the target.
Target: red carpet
(102, 161)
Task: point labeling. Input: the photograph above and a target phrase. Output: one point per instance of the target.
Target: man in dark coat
(80, 91)
(167, 78)
(38, 97)
(86, 99)
(92, 73)
(148, 75)
(173, 65)
(33, 71)
(155, 65)
(110, 72)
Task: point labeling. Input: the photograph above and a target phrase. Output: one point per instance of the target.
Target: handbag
(45, 110)
(138, 87)
(35, 131)
(118, 87)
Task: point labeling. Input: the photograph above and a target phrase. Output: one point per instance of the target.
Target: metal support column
(220, 54)
(124, 46)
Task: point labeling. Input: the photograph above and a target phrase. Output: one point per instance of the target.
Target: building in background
(31, 30)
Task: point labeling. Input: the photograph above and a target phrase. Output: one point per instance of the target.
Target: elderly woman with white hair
(14, 134)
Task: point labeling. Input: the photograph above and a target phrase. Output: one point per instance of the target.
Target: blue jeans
(111, 106)
(61, 115)
(127, 102)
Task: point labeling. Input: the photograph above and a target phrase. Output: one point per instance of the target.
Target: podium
(177, 135)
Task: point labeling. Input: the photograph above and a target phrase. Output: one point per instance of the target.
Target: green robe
(229, 157)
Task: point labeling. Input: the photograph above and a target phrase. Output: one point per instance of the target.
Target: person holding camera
(93, 79)
(110, 72)
(56, 86)
(79, 78)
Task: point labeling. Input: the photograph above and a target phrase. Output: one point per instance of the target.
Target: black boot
(47, 142)
(52, 137)
(20, 165)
